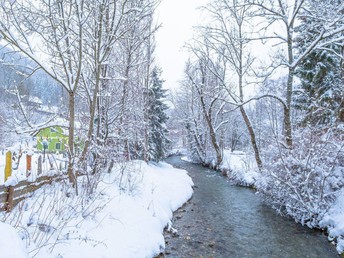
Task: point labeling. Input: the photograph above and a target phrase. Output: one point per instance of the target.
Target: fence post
(9, 199)
(39, 168)
(8, 166)
(51, 162)
(10, 189)
(28, 165)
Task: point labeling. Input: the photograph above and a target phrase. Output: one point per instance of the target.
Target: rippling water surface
(222, 220)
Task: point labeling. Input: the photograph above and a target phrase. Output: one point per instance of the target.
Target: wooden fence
(12, 195)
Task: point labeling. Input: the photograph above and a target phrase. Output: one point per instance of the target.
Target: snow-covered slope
(334, 222)
(126, 219)
(11, 245)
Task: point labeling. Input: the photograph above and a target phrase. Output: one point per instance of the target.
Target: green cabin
(53, 137)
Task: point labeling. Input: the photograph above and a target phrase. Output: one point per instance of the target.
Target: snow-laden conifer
(157, 118)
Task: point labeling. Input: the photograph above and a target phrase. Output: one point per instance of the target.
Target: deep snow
(11, 245)
(334, 222)
(126, 217)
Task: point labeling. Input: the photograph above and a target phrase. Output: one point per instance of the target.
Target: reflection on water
(222, 220)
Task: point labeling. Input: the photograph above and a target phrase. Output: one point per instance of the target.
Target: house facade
(53, 139)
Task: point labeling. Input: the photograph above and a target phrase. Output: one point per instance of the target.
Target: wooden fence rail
(10, 196)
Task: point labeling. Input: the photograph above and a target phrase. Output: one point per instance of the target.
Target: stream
(223, 220)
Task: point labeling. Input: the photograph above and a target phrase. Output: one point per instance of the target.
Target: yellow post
(8, 166)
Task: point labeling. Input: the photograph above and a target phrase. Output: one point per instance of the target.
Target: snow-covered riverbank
(334, 222)
(124, 218)
(244, 172)
(241, 170)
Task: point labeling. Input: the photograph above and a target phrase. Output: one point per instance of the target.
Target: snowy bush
(302, 182)
(240, 167)
(129, 176)
(334, 222)
(52, 215)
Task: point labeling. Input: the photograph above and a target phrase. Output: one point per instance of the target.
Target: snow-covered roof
(34, 99)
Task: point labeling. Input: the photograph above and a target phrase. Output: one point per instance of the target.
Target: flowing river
(222, 220)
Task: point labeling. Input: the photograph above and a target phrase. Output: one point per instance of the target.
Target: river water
(222, 220)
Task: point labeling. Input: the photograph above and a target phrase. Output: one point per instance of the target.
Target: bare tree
(104, 30)
(286, 13)
(79, 44)
(135, 57)
(208, 92)
(227, 37)
(51, 34)
(191, 117)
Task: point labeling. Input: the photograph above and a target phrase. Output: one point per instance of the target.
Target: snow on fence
(12, 192)
(12, 195)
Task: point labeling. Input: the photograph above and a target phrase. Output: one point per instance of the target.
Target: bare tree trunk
(212, 133)
(241, 91)
(146, 97)
(93, 105)
(199, 148)
(123, 107)
(252, 138)
(70, 170)
(341, 107)
(287, 112)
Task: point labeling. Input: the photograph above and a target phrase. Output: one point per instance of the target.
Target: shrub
(303, 181)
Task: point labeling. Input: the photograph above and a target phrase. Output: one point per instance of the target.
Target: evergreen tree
(321, 72)
(157, 118)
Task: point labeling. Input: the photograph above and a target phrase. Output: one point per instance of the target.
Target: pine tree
(321, 72)
(157, 118)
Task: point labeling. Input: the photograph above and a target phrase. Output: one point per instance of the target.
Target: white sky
(177, 18)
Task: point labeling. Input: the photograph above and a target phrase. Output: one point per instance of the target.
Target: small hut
(52, 139)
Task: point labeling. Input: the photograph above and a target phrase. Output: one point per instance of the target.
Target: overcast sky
(177, 18)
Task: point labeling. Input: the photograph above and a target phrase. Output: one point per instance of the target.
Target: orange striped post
(8, 166)
(28, 165)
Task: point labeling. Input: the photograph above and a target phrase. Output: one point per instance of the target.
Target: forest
(264, 77)
(267, 77)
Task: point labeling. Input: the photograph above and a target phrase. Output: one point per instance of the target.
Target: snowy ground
(127, 215)
(242, 167)
(124, 218)
(11, 245)
(334, 222)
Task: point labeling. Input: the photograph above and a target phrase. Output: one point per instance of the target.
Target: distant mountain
(13, 67)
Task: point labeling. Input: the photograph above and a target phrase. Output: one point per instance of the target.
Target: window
(58, 145)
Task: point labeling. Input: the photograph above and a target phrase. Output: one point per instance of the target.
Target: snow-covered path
(229, 221)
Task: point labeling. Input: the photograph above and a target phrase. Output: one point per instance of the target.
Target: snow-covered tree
(202, 108)
(284, 15)
(321, 72)
(130, 65)
(157, 117)
(227, 35)
(52, 36)
(80, 44)
(304, 182)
